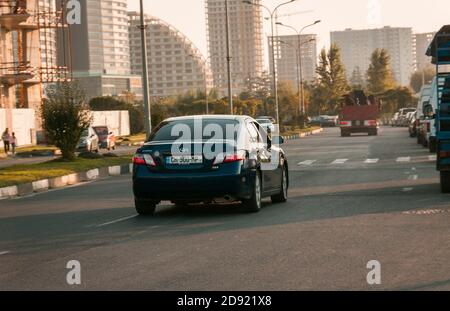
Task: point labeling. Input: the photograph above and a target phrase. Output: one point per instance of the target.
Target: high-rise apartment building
(287, 61)
(246, 42)
(421, 42)
(100, 49)
(357, 47)
(175, 65)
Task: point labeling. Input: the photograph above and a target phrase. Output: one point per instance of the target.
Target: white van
(431, 135)
(422, 121)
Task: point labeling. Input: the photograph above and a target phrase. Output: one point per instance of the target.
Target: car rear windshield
(101, 130)
(187, 129)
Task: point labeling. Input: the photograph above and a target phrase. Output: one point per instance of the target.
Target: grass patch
(296, 131)
(131, 139)
(25, 173)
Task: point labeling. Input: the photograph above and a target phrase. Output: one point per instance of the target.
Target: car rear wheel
(145, 207)
(253, 205)
(283, 195)
(445, 181)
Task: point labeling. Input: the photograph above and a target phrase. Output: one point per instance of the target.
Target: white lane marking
(432, 158)
(308, 162)
(371, 161)
(339, 161)
(407, 189)
(404, 159)
(4, 253)
(116, 221)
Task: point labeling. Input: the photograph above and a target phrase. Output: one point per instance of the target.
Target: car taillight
(143, 159)
(444, 154)
(230, 157)
(372, 122)
(344, 123)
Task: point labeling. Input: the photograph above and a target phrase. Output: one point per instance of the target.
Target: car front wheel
(283, 195)
(253, 205)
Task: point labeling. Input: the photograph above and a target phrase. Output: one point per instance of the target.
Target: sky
(188, 16)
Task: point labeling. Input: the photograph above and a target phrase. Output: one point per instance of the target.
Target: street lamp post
(227, 27)
(206, 81)
(147, 109)
(274, 70)
(302, 96)
(297, 54)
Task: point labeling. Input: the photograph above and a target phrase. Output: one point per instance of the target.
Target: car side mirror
(278, 140)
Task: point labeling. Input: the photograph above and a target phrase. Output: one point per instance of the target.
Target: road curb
(64, 181)
(303, 135)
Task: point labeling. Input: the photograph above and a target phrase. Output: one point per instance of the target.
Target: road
(352, 200)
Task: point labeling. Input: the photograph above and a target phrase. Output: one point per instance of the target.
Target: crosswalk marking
(339, 161)
(371, 161)
(404, 159)
(399, 160)
(307, 162)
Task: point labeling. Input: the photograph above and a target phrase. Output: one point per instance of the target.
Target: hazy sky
(422, 15)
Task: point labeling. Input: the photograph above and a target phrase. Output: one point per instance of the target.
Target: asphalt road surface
(352, 200)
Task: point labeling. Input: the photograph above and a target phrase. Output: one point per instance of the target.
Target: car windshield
(188, 128)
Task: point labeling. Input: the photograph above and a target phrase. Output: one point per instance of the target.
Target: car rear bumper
(359, 129)
(201, 187)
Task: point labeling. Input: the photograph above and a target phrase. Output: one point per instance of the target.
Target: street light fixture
(274, 70)
(299, 33)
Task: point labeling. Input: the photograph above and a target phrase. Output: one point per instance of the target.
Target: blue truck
(439, 51)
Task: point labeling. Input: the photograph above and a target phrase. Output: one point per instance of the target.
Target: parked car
(422, 120)
(430, 114)
(186, 169)
(324, 121)
(107, 140)
(394, 120)
(403, 116)
(89, 141)
(412, 128)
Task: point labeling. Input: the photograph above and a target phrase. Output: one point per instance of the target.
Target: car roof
(209, 117)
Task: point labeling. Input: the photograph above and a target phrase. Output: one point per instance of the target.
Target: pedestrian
(6, 138)
(13, 142)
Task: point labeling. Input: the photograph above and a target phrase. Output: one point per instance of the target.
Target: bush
(65, 116)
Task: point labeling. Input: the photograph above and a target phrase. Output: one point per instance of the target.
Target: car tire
(282, 197)
(145, 208)
(445, 181)
(253, 205)
(432, 147)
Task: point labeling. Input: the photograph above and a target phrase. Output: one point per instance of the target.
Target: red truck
(359, 114)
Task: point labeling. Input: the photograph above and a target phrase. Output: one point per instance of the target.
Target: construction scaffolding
(31, 32)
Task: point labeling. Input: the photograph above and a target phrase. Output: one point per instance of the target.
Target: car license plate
(184, 160)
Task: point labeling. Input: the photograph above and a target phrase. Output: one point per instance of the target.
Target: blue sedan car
(209, 159)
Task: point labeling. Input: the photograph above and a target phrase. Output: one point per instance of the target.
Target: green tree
(65, 116)
(379, 74)
(420, 77)
(332, 81)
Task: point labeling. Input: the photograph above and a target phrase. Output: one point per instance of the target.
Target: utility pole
(147, 109)
(227, 26)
